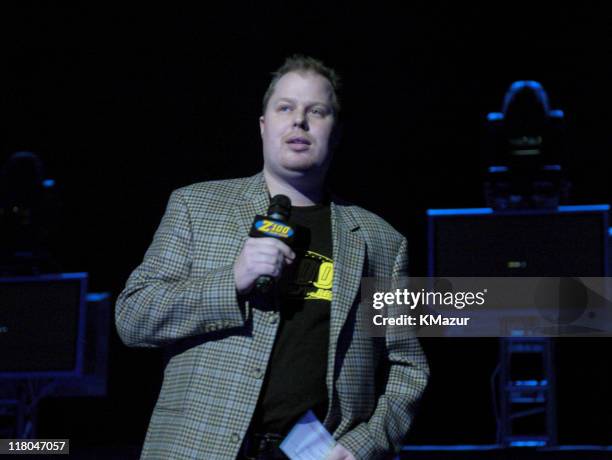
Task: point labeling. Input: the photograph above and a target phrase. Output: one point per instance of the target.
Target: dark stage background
(126, 103)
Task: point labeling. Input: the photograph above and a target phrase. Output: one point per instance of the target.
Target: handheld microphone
(274, 225)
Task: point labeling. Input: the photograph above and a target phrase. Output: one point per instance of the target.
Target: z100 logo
(271, 228)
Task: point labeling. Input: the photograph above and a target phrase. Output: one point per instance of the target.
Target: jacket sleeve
(162, 302)
(408, 375)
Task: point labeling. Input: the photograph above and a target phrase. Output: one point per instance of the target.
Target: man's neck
(299, 194)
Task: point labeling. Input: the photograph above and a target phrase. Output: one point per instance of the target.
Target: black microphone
(274, 225)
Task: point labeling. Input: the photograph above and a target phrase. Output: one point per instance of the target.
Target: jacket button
(235, 437)
(257, 373)
(273, 319)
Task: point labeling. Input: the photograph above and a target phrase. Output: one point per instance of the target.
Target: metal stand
(527, 391)
(19, 407)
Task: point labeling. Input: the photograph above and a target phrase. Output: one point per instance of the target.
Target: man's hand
(339, 453)
(260, 256)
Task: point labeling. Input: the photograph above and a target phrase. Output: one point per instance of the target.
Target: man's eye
(284, 108)
(318, 111)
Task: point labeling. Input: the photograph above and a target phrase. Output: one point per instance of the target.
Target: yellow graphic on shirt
(325, 278)
(314, 277)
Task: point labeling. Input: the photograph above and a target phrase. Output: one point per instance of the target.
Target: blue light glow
(527, 400)
(526, 383)
(480, 211)
(459, 447)
(97, 296)
(530, 383)
(528, 443)
(482, 447)
(556, 113)
(525, 84)
(459, 212)
(587, 207)
(73, 276)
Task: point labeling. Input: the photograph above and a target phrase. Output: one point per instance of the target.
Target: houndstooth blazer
(183, 296)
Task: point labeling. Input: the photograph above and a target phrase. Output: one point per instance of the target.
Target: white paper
(308, 440)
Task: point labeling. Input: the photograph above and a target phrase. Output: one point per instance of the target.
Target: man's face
(297, 125)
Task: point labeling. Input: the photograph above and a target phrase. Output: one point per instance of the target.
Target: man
(246, 366)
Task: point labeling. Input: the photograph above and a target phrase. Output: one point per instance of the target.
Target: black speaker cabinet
(42, 325)
(571, 241)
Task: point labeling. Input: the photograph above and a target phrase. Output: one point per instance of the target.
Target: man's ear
(261, 125)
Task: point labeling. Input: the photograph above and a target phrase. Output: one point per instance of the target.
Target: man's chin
(299, 168)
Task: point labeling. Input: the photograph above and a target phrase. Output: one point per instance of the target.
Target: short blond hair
(301, 63)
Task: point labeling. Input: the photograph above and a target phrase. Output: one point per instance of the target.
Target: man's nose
(300, 121)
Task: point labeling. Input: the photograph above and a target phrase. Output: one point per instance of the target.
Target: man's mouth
(298, 140)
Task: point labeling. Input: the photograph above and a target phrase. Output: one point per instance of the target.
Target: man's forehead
(307, 86)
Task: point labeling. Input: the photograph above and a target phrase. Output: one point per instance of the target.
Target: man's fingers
(266, 268)
(260, 256)
(271, 251)
(266, 257)
(274, 257)
(273, 242)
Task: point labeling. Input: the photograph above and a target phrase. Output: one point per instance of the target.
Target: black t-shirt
(295, 379)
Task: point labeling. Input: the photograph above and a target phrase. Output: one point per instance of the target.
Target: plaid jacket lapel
(349, 254)
(254, 200)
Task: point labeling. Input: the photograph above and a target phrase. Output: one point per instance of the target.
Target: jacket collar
(257, 195)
